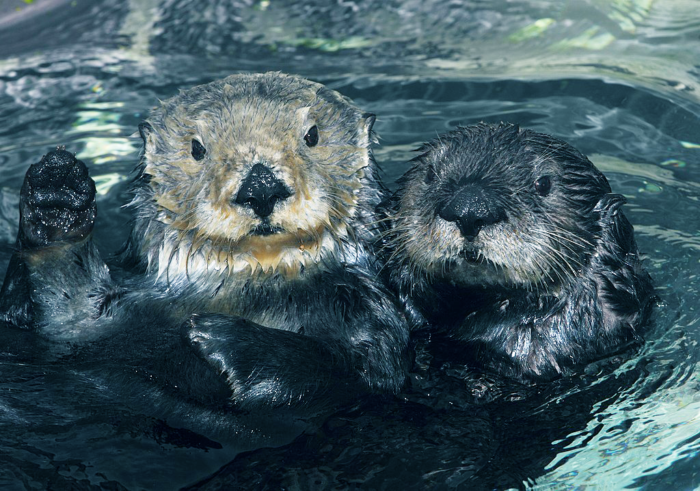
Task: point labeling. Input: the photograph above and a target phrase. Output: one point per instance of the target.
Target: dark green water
(617, 79)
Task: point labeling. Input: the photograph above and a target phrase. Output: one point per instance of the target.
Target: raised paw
(57, 201)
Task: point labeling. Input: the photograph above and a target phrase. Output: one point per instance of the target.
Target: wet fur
(184, 216)
(201, 312)
(557, 284)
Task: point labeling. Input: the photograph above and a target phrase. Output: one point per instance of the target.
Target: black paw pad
(57, 201)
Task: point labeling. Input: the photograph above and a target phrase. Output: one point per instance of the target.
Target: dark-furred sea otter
(512, 245)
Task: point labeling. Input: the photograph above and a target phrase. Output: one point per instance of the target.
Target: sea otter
(510, 244)
(248, 279)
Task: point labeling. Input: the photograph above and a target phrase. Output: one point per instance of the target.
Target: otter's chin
(471, 256)
(275, 243)
(270, 249)
(477, 271)
(471, 268)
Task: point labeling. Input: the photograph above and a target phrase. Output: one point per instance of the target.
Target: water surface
(617, 79)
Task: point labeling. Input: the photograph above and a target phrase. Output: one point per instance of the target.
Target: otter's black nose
(261, 190)
(472, 208)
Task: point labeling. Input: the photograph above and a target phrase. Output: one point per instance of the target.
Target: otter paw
(57, 201)
(242, 352)
(214, 339)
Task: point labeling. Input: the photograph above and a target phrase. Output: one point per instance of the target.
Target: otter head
(259, 173)
(496, 205)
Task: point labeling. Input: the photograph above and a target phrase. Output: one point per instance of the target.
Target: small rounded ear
(369, 121)
(615, 228)
(148, 135)
(366, 124)
(510, 131)
(145, 129)
(610, 203)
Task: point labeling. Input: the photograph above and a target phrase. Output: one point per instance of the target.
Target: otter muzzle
(471, 209)
(261, 190)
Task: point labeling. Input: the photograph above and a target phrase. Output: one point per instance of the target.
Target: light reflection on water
(617, 79)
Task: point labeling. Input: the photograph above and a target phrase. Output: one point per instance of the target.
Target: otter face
(494, 205)
(253, 171)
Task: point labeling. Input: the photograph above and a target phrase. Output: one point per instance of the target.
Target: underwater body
(615, 79)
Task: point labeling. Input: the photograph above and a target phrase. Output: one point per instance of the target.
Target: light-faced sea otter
(511, 244)
(248, 279)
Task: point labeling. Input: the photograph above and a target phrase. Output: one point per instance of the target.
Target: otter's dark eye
(198, 150)
(543, 185)
(311, 136)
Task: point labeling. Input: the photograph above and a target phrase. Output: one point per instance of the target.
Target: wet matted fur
(248, 279)
(511, 244)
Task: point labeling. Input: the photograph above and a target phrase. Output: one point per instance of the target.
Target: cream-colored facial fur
(242, 121)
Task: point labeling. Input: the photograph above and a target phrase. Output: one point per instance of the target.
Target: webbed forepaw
(216, 339)
(57, 201)
(262, 366)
